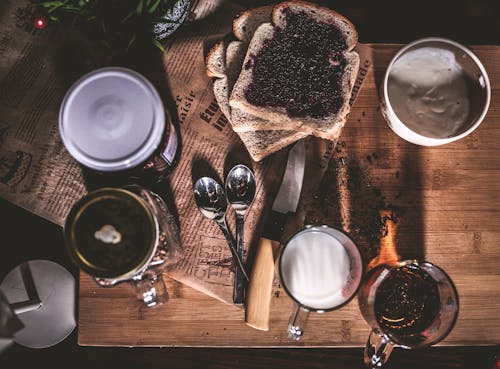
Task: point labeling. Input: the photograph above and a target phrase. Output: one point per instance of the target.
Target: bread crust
(215, 68)
(245, 23)
(260, 144)
(310, 7)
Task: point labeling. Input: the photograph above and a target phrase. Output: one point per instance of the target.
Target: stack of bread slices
(288, 74)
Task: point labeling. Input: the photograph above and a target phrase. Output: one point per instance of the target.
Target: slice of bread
(245, 23)
(313, 87)
(258, 143)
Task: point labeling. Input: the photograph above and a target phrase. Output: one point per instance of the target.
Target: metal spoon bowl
(211, 201)
(240, 187)
(240, 190)
(210, 198)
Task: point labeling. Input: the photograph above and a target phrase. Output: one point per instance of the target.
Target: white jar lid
(111, 119)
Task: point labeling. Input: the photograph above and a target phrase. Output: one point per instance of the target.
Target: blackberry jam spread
(300, 68)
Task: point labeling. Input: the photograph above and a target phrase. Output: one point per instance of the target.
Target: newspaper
(38, 174)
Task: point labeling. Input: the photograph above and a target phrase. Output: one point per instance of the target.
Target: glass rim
(432, 141)
(143, 151)
(309, 228)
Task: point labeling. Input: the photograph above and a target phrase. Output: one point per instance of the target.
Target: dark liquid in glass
(407, 301)
(110, 234)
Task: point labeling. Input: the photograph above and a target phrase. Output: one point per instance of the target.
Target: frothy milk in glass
(315, 269)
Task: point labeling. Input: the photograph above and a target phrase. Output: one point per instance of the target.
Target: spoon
(211, 201)
(240, 190)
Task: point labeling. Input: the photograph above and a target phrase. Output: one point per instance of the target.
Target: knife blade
(286, 201)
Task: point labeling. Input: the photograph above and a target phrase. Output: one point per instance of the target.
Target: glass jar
(124, 235)
(112, 121)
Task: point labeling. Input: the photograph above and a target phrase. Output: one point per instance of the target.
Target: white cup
(435, 91)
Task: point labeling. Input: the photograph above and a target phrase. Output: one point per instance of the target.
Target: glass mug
(412, 304)
(124, 235)
(320, 268)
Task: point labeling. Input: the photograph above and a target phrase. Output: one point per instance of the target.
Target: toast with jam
(298, 71)
(224, 62)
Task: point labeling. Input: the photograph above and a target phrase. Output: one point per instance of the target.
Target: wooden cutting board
(447, 204)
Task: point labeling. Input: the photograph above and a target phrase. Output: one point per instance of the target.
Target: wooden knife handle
(258, 300)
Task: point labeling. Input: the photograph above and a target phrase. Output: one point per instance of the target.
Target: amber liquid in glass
(407, 301)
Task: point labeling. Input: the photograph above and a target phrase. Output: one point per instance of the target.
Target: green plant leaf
(50, 4)
(140, 7)
(153, 7)
(132, 40)
(128, 16)
(53, 9)
(158, 45)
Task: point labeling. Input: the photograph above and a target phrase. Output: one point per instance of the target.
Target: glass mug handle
(150, 288)
(297, 322)
(377, 350)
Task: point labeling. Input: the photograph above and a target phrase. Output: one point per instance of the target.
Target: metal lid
(50, 317)
(111, 119)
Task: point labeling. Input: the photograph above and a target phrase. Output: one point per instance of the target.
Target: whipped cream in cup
(435, 91)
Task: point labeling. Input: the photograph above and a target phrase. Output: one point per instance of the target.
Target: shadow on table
(373, 185)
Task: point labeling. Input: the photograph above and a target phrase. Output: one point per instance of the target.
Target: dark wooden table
(25, 237)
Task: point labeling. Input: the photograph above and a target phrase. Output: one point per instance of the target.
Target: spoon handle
(239, 281)
(230, 241)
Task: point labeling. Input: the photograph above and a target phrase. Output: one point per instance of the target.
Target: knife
(258, 301)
